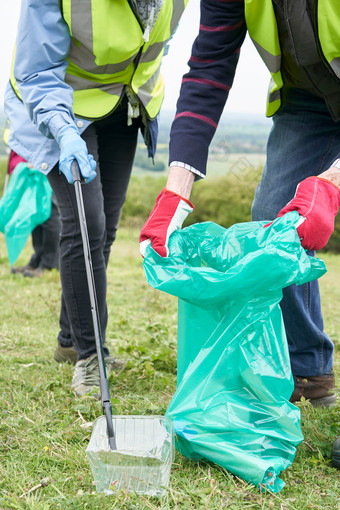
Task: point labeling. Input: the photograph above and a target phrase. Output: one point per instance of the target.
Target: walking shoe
(33, 273)
(21, 269)
(65, 354)
(336, 453)
(316, 389)
(86, 377)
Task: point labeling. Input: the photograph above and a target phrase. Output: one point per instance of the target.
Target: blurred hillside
(237, 134)
(238, 137)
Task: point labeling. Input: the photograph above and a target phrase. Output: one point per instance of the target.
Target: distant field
(218, 164)
(223, 164)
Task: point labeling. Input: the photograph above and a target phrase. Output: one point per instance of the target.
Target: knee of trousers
(95, 225)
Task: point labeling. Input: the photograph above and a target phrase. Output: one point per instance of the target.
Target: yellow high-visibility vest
(108, 52)
(262, 28)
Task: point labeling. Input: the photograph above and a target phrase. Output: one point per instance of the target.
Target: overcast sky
(247, 95)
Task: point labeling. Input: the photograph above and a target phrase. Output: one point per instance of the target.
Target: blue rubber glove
(72, 147)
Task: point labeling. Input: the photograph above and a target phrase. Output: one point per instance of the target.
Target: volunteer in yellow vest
(300, 44)
(86, 77)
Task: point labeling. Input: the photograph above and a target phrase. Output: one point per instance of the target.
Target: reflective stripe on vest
(328, 15)
(262, 28)
(11, 77)
(151, 91)
(99, 68)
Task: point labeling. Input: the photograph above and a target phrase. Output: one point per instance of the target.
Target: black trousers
(113, 144)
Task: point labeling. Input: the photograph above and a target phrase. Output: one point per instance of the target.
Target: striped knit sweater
(205, 87)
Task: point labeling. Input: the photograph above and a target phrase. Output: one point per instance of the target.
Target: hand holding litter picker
(104, 385)
(73, 147)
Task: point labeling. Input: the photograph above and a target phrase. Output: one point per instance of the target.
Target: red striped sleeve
(223, 28)
(203, 60)
(197, 116)
(204, 81)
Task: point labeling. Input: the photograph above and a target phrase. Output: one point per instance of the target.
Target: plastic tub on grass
(142, 461)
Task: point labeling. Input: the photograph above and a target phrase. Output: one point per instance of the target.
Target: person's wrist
(68, 130)
(332, 174)
(180, 181)
(57, 121)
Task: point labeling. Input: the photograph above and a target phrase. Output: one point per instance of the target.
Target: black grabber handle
(104, 384)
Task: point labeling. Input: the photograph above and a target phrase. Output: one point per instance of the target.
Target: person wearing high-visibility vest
(85, 78)
(300, 44)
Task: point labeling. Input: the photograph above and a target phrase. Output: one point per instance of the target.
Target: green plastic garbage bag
(26, 204)
(232, 404)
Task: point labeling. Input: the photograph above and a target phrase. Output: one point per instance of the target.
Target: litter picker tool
(140, 449)
(104, 384)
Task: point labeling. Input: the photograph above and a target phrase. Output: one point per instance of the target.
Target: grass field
(45, 429)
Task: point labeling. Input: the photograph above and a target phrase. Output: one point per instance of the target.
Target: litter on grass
(142, 461)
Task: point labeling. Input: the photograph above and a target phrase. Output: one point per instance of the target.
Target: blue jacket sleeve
(42, 46)
(205, 87)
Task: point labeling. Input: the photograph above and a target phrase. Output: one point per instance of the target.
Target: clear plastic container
(142, 461)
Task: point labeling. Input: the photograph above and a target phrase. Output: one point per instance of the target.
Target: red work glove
(167, 216)
(318, 201)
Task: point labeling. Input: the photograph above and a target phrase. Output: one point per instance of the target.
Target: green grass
(45, 429)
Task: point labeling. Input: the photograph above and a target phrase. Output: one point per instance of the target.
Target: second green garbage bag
(232, 405)
(26, 204)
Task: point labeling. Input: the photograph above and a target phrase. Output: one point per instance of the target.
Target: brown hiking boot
(34, 273)
(21, 269)
(65, 354)
(316, 389)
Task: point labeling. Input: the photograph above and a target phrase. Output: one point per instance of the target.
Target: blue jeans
(112, 143)
(304, 141)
